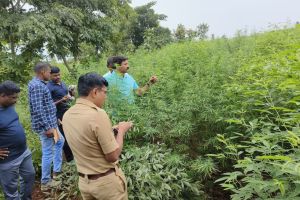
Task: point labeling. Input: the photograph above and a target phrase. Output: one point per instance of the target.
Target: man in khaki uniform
(92, 141)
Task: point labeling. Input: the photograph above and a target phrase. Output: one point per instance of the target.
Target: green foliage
(65, 25)
(33, 141)
(152, 172)
(181, 33)
(262, 139)
(146, 19)
(182, 108)
(60, 27)
(202, 30)
(156, 38)
(203, 167)
(69, 178)
(17, 68)
(12, 14)
(227, 98)
(233, 100)
(14, 62)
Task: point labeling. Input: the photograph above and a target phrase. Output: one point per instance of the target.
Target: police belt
(96, 176)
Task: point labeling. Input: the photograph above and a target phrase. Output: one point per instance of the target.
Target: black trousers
(67, 151)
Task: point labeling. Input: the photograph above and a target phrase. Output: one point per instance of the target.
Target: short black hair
(54, 70)
(9, 88)
(89, 81)
(119, 59)
(39, 67)
(110, 62)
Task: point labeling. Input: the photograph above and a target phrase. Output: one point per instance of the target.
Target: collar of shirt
(86, 102)
(53, 83)
(42, 81)
(120, 75)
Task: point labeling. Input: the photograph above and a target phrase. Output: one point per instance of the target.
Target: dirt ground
(37, 194)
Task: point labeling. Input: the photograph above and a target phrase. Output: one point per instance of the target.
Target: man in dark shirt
(60, 95)
(16, 157)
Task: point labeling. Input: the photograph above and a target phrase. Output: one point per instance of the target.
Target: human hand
(72, 90)
(123, 127)
(55, 136)
(115, 126)
(3, 153)
(153, 79)
(50, 133)
(65, 98)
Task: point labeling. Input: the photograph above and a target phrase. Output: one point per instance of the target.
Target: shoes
(56, 176)
(50, 185)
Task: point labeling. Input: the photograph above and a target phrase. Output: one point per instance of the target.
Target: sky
(226, 17)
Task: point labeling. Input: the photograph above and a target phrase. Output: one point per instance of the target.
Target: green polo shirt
(121, 87)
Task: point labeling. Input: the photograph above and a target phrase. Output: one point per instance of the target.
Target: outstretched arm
(142, 90)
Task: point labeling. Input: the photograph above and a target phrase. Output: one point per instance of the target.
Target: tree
(120, 40)
(180, 32)
(14, 63)
(12, 14)
(60, 26)
(202, 30)
(191, 34)
(156, 38)
(146, 19)
(72, 23)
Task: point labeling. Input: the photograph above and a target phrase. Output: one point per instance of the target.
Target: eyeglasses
(102, 90)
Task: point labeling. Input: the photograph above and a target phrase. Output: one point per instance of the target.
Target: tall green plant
(262, 140)
(154, 173)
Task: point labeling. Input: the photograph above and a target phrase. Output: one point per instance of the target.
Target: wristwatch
(116, 131)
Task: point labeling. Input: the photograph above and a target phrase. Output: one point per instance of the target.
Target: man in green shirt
(121, 84)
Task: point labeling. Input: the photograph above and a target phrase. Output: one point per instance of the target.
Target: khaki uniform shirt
(88, 131)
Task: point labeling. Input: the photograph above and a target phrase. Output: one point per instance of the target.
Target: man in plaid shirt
(44, 122)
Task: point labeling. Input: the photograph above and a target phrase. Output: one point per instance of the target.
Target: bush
(263, 137)
(153, 172)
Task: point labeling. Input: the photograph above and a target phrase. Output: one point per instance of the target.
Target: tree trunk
(66, 64)
(11, 32)
(12, 45)
(72, 71)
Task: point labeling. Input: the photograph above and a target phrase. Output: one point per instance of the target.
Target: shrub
(263, 137)
(153, 172)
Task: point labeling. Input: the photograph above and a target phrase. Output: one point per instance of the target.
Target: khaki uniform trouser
(110, 187)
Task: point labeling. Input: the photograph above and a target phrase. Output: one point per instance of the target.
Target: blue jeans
(9, 177)
(51, 153)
